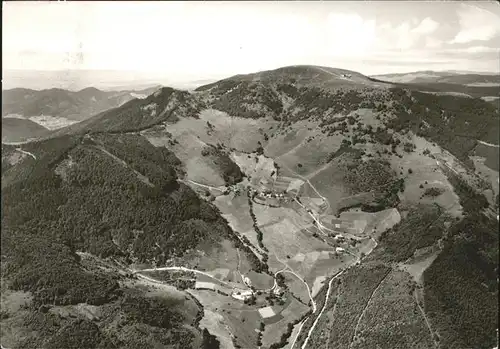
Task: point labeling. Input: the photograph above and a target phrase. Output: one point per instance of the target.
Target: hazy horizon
(183, 42)
(73, 82)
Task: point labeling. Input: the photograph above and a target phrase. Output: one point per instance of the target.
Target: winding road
(311, 330)
(427, 322)
(201, 185)
(26, 152)
(288, 270)
(320, 313)
(318, 222)
(489, 144)
(285, 269)
(182, 269)
(312, 186)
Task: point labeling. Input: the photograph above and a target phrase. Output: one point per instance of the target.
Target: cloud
(481, 49)
(407, 63)
(349, 34)
(476, 24)
(406, 34)
(353, 36)
(426, 27)
(185, 40)
(430, 42)
(470, 50)
(473, 54)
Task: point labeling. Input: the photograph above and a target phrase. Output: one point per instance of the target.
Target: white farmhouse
(247, 281)
(242, 295)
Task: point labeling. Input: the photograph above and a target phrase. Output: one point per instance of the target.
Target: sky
(204, 40)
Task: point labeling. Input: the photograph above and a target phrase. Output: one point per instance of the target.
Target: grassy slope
(465, 121)
(462, 114)
(470, 116)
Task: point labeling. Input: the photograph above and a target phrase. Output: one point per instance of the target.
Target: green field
(229, 317)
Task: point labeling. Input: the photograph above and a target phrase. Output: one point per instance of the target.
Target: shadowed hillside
(18, 130)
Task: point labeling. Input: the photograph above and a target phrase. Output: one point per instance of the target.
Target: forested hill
(293, 94)
(165, 105)
(111, 195)
(297, 93)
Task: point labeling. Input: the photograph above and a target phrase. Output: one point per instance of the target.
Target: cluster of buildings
(267, 196)
(270, 195)
(242, 295)
(339, 238)
(278, 291)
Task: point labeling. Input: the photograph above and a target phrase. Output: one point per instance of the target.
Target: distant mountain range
(106, 80)
(63, 103)
(22, 109)
(451, 77)
(467, 84)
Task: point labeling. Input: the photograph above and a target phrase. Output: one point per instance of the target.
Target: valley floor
(295, 263)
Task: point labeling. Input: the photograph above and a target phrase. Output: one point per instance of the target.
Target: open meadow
(229, 318)
(309, 155)
(236, 210)
(422, 172)
(221, 261)
(328, 182)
